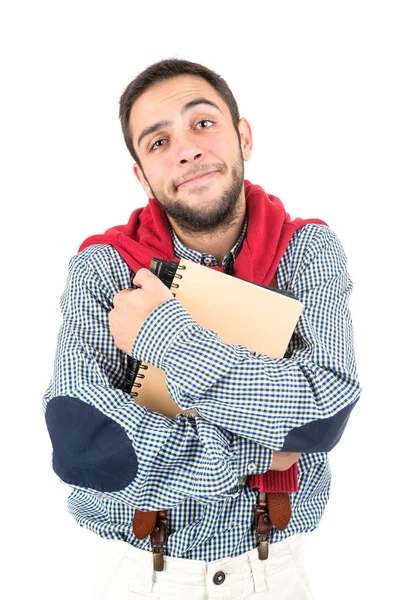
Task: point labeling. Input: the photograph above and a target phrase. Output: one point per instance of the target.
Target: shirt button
(252, 468)
(207, 261)
(219, 577)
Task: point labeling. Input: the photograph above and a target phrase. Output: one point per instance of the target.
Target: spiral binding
(138, 376)
(166, 271)
(177, 276)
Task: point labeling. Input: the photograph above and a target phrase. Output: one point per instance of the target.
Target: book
(261, 318)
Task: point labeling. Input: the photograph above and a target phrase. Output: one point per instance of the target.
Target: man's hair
(161, 71)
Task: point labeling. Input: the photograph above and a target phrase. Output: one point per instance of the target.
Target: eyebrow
(188, 106)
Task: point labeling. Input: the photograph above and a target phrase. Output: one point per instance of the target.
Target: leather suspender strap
(263, 525)
(155, 524)
(143, 523)
(279, 509)
(272, 508)
(158, 538)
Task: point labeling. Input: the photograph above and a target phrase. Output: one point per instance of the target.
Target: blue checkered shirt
(247, 404)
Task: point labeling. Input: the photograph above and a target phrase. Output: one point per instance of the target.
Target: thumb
(119, 294)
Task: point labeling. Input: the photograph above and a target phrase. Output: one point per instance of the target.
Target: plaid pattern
(247, 404)
(181, 251)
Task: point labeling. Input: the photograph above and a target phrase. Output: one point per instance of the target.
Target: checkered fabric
(248, 404)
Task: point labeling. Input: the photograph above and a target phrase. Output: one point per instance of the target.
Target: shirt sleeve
(102, 440)
(299, 403)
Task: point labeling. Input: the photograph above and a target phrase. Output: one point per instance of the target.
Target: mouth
(198, 179)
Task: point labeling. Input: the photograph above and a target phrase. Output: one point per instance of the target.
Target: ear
(246, 138)
(142, 180)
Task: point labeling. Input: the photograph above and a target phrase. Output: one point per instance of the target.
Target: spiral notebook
(261, 318)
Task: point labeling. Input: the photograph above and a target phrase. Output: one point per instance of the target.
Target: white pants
(126, 573)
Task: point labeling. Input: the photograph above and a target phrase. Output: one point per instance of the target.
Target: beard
(221, 212)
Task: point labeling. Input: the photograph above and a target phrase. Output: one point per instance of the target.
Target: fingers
(281, 461)
(154, 291)
(143, 276)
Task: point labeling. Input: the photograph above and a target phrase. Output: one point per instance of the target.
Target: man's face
(189, 150)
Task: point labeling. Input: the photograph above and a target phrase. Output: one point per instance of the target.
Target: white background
(318, 83)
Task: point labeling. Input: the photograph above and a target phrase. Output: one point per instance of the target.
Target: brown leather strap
(263, 526)
(143, 523)
(271, 509)
(155, 524)
(279, 509)
(158, 538)
(158, 535)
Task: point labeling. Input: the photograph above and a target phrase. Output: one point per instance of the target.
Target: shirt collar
(182, 251)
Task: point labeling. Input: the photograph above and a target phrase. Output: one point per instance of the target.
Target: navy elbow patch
(318, 436)
(89, 449)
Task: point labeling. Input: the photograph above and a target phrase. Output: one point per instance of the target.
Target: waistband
(197, 573)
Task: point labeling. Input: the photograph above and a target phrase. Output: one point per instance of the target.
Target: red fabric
(269, 230)
(276, 481)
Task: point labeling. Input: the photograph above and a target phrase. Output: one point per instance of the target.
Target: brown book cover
(257, 317)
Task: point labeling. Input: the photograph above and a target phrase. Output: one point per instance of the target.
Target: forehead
(164, 98)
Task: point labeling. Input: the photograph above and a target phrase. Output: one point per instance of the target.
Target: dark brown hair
(163, 70)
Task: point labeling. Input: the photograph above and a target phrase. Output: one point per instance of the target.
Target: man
(255, 414)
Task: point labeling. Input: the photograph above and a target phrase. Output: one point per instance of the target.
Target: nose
(188, 150)
(190, 159)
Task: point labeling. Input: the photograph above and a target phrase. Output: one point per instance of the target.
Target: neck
(218, 242)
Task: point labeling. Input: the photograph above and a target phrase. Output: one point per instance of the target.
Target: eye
(205, 123)
(157, 144)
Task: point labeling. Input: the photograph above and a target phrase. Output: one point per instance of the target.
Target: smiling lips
(198, 179)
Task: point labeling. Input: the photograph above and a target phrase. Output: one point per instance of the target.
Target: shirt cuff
(158, 331)
(253, 458)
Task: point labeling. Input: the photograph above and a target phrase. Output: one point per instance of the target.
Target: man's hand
(133, 306)
(281, 461)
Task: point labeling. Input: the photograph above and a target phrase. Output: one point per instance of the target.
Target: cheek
(157, 173)
(225, 149)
